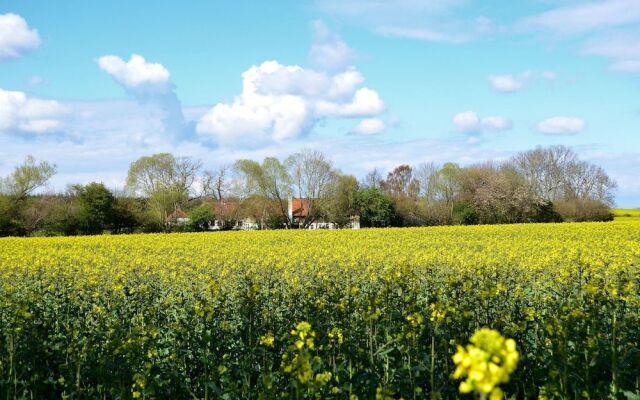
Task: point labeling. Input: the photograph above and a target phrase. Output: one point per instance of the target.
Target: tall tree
(545, 170)
(217, 183)
(372, 179)
(312, 175)
(580, 190)
(96, 208)
(446, 188)
(166, 182)
(26, 178)
(341, 205)
(425, 176)
(375, 208)
(15, 190)
(400, 182)
(269, 181)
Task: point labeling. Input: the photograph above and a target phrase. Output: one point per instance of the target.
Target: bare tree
(217, 183)
(545, 170)
(589, 182)
(372, 179)
(187, 170)
(555, 173)
(312, 175)
(425, 175)
(400, 182)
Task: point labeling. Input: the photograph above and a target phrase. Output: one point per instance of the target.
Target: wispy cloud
(585, 16)
(609, 27)
(328, 51)
(623, 47)
(423, 34)
(430, 21)
(561, 126)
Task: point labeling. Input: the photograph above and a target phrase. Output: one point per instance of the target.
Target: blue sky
(92, 86)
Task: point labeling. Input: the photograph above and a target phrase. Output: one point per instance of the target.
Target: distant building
(178, 217)
(298, 210)
(228, 217)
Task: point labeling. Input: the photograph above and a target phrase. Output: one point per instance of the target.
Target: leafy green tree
(200, 218)
(164, 181)
(15, 190)
(127, 215)
(270, 181)
(446, 189)
(96, 208)
(10, 225)
(375, 208)
(26, 178)
(546, 212)
(341, 203)
(61, 218)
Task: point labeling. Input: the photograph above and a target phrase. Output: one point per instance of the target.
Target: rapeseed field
(375, 313)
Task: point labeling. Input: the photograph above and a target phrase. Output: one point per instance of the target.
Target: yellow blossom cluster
(486, 363)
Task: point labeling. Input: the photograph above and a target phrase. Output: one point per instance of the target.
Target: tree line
(541, 185)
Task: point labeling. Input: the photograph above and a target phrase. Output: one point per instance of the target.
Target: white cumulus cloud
(561, 126)
(369, 126)
(16, 38)
(469, 122)
(506, 83)
(150, 84)
(21, 113)
(280, 102)
(137, 74)
(510, 83)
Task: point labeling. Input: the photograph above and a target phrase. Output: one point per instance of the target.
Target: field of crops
(626, 214)
(319, 314)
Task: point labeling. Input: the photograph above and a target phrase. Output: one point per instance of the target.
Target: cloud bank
(20, 113)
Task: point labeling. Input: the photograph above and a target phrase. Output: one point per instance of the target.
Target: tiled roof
(178, 213)
(300, 207)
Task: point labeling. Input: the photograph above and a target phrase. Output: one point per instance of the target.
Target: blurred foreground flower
(486, 363)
